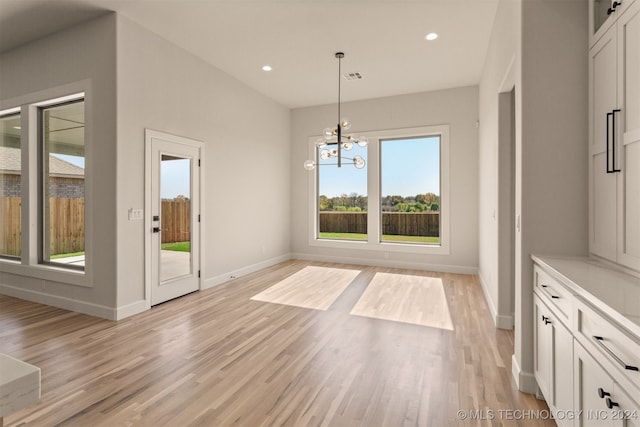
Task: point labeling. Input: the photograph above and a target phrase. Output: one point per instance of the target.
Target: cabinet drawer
(610, 344)
(555, 294)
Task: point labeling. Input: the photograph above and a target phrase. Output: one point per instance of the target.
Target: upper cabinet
(614, 134)
(602, 15)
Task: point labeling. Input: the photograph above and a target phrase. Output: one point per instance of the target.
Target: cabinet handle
(611, 403)
(613, 135)
(603, 393)
(613, 7)
(615, 357)
(550, 294)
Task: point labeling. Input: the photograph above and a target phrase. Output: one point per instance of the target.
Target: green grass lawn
(385, 238)
(177, 246)
(58, 256)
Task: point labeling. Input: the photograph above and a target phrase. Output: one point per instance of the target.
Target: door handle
(156, 229)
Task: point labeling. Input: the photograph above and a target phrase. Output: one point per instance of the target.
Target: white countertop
(614, 293)
(19, 384)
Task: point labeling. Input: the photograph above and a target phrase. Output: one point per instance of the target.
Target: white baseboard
(84, 307)
(442, 268)
(234, 274)
(488, 300)
(132, 309)
(504, 322)
(525, 381)
(499, 320)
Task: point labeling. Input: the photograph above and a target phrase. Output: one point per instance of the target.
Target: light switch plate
(135, 214)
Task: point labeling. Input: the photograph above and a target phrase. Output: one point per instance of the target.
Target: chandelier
(333, 141)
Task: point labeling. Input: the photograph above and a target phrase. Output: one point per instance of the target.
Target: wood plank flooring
(405, 298)
(217, 358)
(312, 287)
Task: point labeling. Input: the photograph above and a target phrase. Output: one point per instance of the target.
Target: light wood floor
(312, 287)
(217, 358)
(405, 298)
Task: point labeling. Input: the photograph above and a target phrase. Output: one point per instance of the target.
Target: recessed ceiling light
(431, 36)
(266, 68)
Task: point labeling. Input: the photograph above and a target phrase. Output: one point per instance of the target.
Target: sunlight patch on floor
(312, 287)
(404, 298)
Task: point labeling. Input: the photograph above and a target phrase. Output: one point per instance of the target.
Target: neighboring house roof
(10, 163)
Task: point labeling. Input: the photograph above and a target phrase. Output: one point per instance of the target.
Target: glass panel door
(175, 217)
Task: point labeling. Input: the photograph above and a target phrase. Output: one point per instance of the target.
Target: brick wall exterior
(70, 188)
(9, 185)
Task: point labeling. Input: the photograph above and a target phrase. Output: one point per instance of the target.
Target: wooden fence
(67, 228)
(66, 225)
(176, 221)
(10, 226)
(393, 223)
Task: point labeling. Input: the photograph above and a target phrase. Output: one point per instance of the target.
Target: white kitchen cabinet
(543, 348)
(599, 400)
(602, 15)
(553, 357)
(614, 136)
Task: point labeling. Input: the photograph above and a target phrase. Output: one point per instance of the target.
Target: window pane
(342, 203)
(410, 190)
(10, 173)
(63, 163)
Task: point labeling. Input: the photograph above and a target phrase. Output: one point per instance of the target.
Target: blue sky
(74, 160)
(175, 179)
(409, 167)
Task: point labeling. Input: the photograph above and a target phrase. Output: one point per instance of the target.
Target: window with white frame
(10, 186)
(62, 184)
(342, 199)
(399, 202)
(410, 190)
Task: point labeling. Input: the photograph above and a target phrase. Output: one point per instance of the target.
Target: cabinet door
(562, 372)
(602, 185)
(592, 387)
(543, 350)
(600, 19)
(628, 40)
(629, 409)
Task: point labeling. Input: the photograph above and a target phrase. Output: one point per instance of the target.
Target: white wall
(498, 77)
(247, 157)
(81, 58)
(137, 80)
(456, 107)
(551, 151)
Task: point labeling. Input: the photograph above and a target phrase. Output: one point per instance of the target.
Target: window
(342, 200)
(398, 203)
(62, 166)
(410, 190)
(10, 186)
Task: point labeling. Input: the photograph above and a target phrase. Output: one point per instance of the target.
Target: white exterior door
(173, 216)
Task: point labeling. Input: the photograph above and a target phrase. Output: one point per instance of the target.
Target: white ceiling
(382, 39)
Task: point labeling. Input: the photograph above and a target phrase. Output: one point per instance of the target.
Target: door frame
(149, 135)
